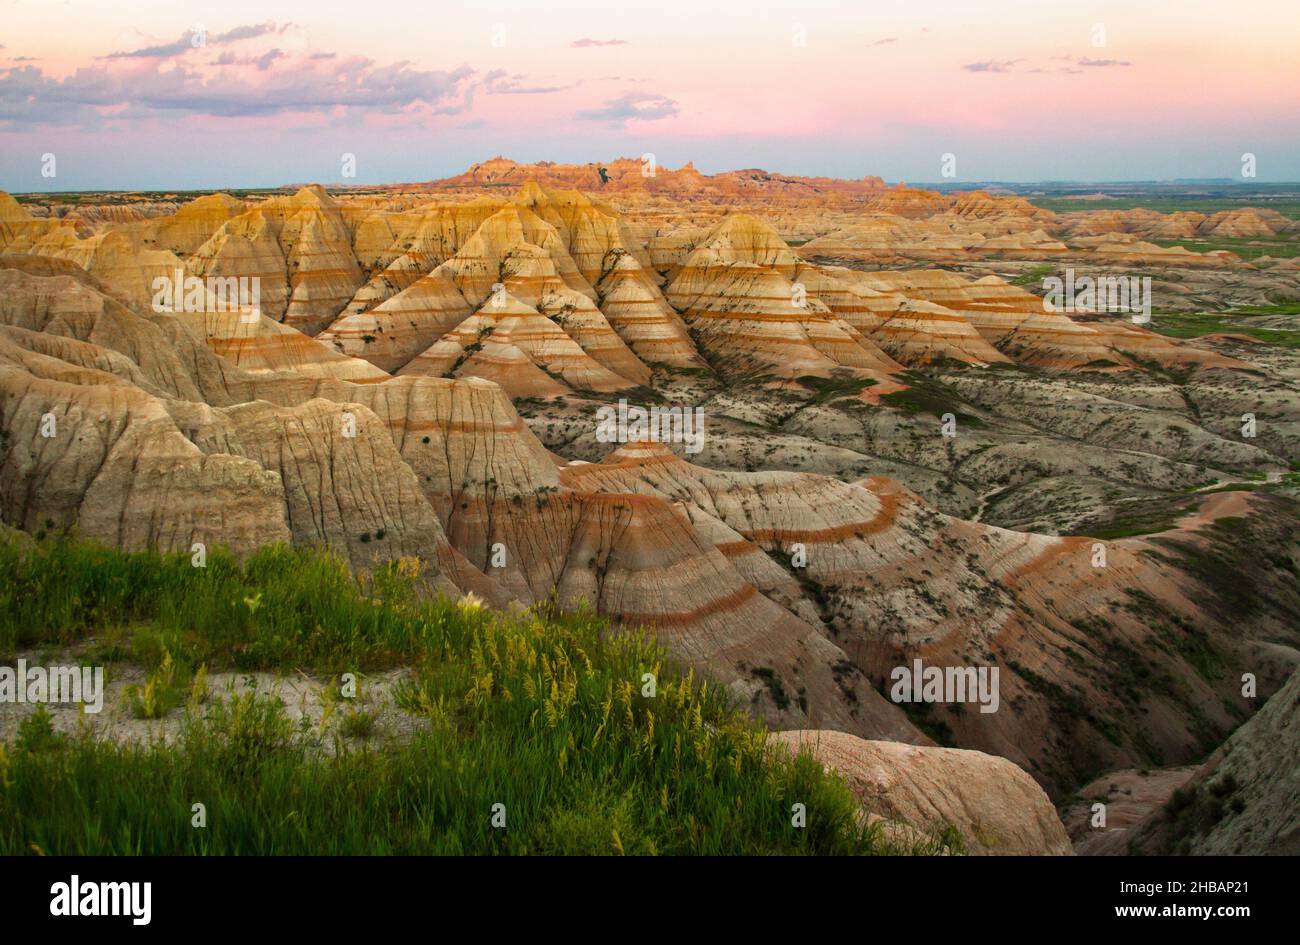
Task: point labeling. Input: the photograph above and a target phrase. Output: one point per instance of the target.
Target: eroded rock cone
(735, 292)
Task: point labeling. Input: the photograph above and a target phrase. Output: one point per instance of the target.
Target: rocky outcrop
(893, 582)
(402, 326)
(129, 429)
(1245, 222)
(391, 434)
(1185, 224)
(514, 255)
(1244, 801)
(83, 449)
(123, 263)
(590, 232)
(184, 231)
(624, 175)
(909, 202)
(299, 247)
(919, 792)
(375, 472)
(19, 230)
(256, 343)
(1122, 249)
(736, 294)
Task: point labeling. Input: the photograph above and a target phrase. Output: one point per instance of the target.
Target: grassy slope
(1248, 248)
(1238, 321)
(543, 714)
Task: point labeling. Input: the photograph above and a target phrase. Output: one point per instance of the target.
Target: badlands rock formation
(300, 247)
(643, 318)
(736, 293)
(628, 174)
(890, 580)
(1180, 225)
(155, 440)
(995, 807)
(906, 453)
(515, 269)
(1245, 800)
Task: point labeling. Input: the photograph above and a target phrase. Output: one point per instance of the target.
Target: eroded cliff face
(446, 410)
(188, 447)
(1244, 800)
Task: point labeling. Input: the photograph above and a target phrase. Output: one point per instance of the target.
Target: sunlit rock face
(424, 371)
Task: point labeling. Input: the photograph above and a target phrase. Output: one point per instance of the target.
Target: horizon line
(921, 184)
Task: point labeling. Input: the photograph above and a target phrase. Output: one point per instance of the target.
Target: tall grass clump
(282, 606)
(538, 718)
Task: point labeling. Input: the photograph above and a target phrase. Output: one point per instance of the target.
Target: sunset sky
(127, 96)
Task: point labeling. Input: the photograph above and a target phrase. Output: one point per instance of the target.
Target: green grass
(927, 395)
(1133, 525)
(1247, 247)
(541, 712)
(1214, 568)
(826, 389)
(1237, 322)
(1033, 276)
(1145, 516)
(284, 607)
(1278, 308)
(1193, 812)
(161, 692)
(359, 723)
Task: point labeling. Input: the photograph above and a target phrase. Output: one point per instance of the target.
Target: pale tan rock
(642, 317)
(909, 202)
(668, 249)
(69, 305)
(122, 262)
(118, 469)
(1130, 796)
(516, 244)
(248, 246)
(20, 231)
(256, 343)
(590, 232)
(11, 211)
(1245, 222)
(996, 807)
(1123, 249)
(736, 294)
(431, 231)
(586, 324)
(919, 332)
(549, 347)
(193, 223)
(300, 247)
(451, 350)
(398, 275)
(401, 327)
(506, 365)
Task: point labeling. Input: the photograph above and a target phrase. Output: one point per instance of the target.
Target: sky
(160, 94)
